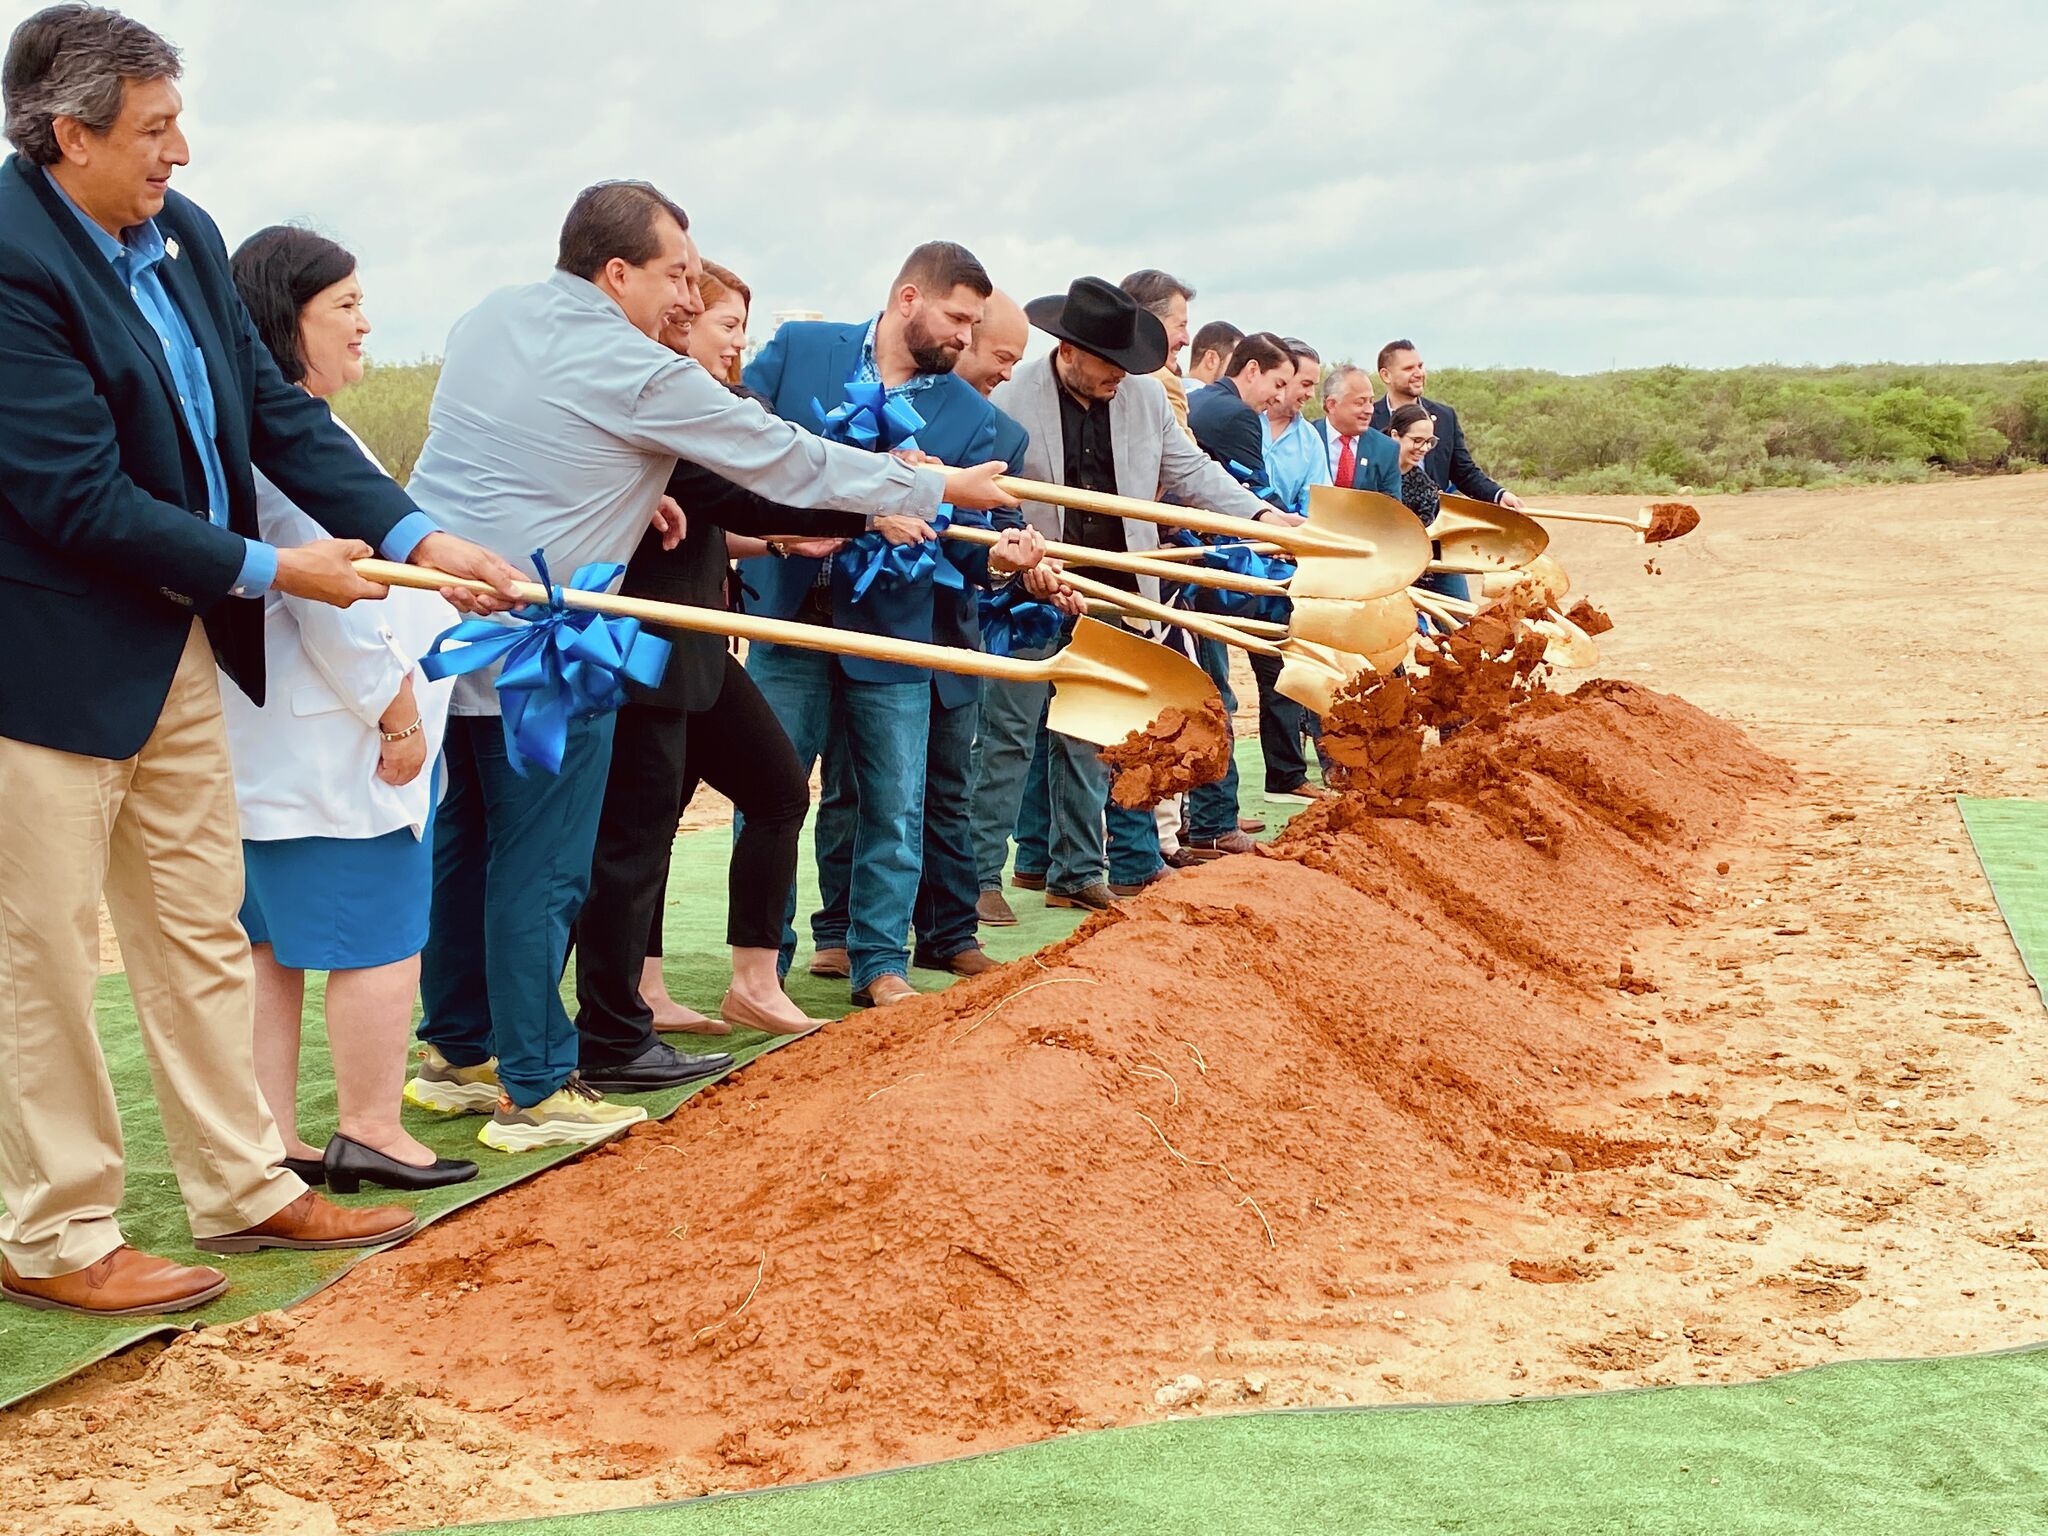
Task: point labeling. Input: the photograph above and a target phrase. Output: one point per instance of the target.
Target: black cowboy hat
(1100, 318)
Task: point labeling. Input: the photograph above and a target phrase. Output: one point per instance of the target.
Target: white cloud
(1566, 185)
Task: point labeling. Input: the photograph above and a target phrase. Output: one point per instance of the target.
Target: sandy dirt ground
(1853, 1084)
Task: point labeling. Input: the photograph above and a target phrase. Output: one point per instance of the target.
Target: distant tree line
(1639, 431)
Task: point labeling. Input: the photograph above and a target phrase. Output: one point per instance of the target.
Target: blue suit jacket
(811, 360)
(1378, 466)
(956, 616)
(1229, 431)
(103, 563)
(1450, 463)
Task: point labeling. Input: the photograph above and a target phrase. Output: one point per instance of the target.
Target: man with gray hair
(1166, 296)
(1360, 458)
(136, 400)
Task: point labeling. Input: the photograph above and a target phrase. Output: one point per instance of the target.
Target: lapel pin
(171, 249)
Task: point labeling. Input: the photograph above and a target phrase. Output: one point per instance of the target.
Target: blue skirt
(339, 903)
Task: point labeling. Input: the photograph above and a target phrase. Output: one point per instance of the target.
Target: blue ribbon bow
(870, 418)
(1012, 621)
(1243, 560)
(560, 664)
(872, 560)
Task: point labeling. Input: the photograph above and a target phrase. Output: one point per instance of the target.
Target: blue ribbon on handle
(1242, 559)
(869, 418)
(559, 664)
(1012, 620)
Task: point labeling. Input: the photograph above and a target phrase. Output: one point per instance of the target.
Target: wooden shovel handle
(1299, 539)
(1136, 565)
(1206, 625)
(743, 626)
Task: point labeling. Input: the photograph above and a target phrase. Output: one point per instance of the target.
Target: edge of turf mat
(1924, 1445)
(38, 1350)
(2011, 842)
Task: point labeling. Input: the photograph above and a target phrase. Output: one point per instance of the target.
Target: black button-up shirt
(1091, 466)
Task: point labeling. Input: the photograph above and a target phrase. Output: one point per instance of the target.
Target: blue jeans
(1034, 813)
(944, 920)
(1212, 809)
(511, 866)
(1082, 813)
(872, 874)
(1009, 780)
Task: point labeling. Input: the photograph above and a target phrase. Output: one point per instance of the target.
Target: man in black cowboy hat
(1097, 422)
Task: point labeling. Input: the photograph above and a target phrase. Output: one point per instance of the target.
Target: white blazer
(306, 762)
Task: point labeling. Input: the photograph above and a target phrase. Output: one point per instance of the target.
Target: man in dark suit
(1362, 457)
(1449, 464)
(870, 825)
(135, 397)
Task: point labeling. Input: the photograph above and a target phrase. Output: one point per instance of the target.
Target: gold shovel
(1363, 624)
(1107, 683)
(1668, 520)
(1309, 674)
(1477, 536)
(1565, 644)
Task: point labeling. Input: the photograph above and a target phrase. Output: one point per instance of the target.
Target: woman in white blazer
(335, 777)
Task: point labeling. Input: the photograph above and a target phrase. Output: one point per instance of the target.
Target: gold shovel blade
(1363, 628)
(1109, 682)
(1399, 545)
(1478, 535)
(1311, 675)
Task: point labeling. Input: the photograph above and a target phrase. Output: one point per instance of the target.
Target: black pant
(659, 756)
(1282, 724)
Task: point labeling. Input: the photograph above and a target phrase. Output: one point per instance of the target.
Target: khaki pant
(158, 834)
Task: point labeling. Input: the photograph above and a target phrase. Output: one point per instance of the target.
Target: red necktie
(1347, 461)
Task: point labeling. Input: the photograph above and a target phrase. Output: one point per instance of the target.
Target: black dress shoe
(350, 1165)
(659, 1066)
(311, 1169)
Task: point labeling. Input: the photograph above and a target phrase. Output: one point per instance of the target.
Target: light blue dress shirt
(135, 259)
(555, 426)
(1295, 460)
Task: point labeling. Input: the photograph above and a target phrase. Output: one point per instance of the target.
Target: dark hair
(614, 218)
(1261, 347)
(939, 266)
(277, 270)
(1155, 290)
(1300, 350)
(1400, 421)
(75, 61)
(1218, 336)
(1387, 352)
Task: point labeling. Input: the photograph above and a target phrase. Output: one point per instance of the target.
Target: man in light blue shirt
(556, 422)
(1297, 453)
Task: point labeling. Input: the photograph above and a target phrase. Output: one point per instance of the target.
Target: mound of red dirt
(1252, 1104)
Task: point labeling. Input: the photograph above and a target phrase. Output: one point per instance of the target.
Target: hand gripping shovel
(1107, 683)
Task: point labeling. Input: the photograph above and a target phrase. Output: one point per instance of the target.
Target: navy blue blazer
(1378, 466)
(1229, 431)
(1449, 464)
(103, 562)
(811, 360)
(956, 616)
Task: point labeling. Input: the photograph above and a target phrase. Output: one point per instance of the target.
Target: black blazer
(103, 562)
(1449, 464)
(694, 572)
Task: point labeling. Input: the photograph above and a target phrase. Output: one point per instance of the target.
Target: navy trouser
(511, 866)
(1212, 808)
(944, 920)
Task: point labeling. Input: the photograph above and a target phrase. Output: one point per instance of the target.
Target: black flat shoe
(350, 1165)
(312, 1169)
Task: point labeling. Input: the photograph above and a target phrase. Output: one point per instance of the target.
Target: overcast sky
(1577, 184)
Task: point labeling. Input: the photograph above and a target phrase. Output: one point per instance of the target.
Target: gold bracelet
(418, 723)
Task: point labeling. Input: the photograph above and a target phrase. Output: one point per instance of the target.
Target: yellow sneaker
(447, 1089)
(574, 1115)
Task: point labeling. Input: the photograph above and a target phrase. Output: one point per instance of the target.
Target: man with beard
(877, 715)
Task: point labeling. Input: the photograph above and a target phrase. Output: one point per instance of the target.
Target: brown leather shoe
(123, 1284)
(1095, 898)
(1251, 826)
(1027, 882)
(1123, 892)
(883, 991)
(969, 962)
(1208, 848)
(832, 962)
(311, 1222)
(992, 909)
